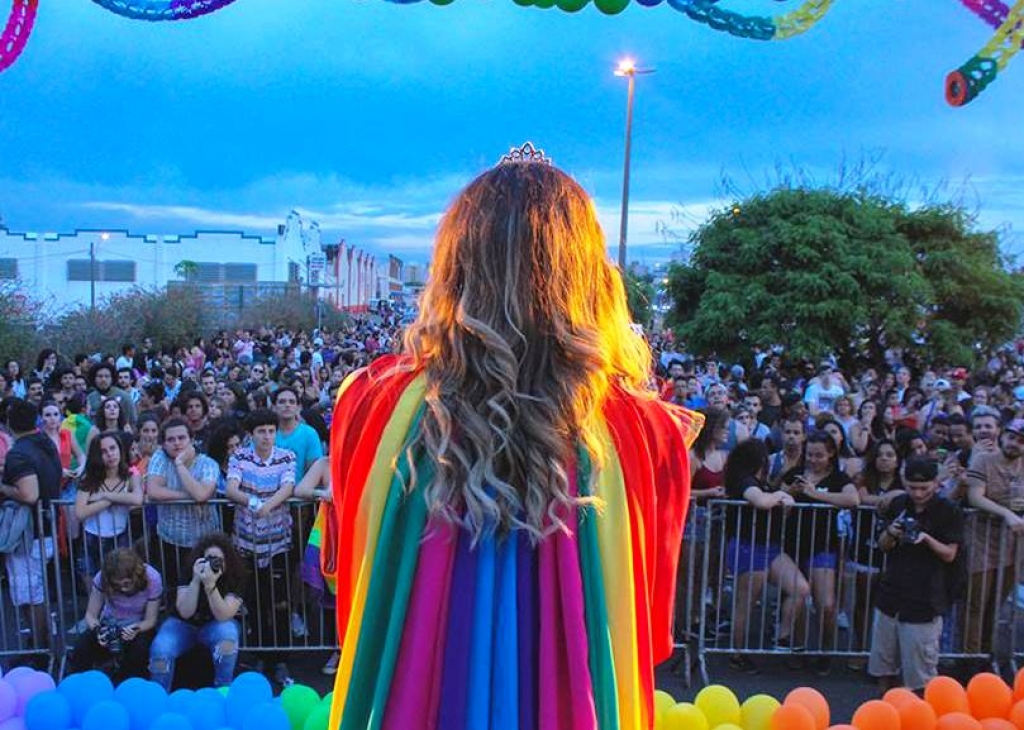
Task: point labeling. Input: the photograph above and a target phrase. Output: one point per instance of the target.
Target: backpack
(15, 524)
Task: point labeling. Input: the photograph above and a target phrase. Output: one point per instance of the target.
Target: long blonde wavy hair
(523, 329)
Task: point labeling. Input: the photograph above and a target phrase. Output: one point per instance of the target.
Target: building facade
(66, 270)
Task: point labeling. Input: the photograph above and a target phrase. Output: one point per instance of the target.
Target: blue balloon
(48, 711)
(180, 701)
(206, 713)
(247, 691)
(171, 721)
(267, 716)
(106, 715)
(84, 690)
(144, 700)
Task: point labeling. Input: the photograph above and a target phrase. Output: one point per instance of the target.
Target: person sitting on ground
(124, 602)
(206, 610)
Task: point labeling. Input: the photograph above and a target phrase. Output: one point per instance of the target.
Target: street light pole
(92, 278)
(627, 67)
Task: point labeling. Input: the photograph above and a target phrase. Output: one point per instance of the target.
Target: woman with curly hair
(508, 496)
(205, 612)
(123, 606)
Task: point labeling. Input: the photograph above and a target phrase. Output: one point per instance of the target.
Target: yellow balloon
(756, 712)
(662, 701)
(728, 726)
(684, 716)
(719, 705)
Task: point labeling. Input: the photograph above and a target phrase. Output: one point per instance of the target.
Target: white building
(64, 270)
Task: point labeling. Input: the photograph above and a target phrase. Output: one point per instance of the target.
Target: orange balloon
(1017, 714)
(945, 695)
(815, 703)
(842, 727)
(1018, 686)
(876, 715)
(997, 723)
(900, 695)
(989, 696)
(957, 721)
(916, 714)
(792, 717)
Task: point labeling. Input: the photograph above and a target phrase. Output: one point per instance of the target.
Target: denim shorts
(744, 557)
(822, 561)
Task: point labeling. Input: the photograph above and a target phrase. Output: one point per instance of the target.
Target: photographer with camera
(123, 606)
(921, 540)
(207, 608)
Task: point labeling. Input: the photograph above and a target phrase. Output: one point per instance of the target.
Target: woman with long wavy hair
(508, 497)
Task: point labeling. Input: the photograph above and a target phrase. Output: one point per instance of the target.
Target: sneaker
(331, 667)
(856, 664)
(742, 663)
(282, 675)
(299, 629)
(823, 666)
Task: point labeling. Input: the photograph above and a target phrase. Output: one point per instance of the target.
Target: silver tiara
(524, 155)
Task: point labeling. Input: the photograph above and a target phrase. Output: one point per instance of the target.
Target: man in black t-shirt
(922, 539)
(32, 473)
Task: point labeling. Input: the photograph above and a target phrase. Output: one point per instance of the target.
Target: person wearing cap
(995, 487)
(922, 538)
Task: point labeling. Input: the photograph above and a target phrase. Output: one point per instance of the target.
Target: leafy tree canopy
(848, 272)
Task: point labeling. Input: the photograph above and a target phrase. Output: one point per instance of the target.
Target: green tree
(849, 272)
(187, 270)
(20, 318)
(639, 294)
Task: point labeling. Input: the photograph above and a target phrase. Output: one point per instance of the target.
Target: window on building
(119, 271)
(293, 272)
(208, 273)
(8, 268)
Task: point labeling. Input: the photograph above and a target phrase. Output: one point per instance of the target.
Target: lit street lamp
(627, 67)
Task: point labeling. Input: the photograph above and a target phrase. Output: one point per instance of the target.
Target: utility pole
(92, 279)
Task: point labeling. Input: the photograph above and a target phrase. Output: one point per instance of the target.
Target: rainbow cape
(437, 633)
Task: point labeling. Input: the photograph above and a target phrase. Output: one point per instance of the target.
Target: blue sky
(370, 116)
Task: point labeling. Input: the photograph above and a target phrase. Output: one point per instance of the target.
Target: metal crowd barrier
(730, 603)
(45, 633)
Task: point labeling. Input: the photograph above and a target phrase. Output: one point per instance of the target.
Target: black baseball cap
(920, 469)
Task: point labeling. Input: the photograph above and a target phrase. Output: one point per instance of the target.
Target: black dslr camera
(216, 564)
(911, 528)
(109, 635)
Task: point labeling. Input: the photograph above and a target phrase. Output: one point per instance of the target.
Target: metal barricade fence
(46, 584)
(801, 584)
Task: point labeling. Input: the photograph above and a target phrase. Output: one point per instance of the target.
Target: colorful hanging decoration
(17, 30)
(962, 85)
(156, 10)
(965, 83)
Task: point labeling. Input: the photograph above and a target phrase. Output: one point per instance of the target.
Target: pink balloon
(13, 723)
(18, 672)
(28, 686)
(8, 700)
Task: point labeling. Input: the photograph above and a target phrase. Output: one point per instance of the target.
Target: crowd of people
(169, 471)
(868, 471)
(245, 417)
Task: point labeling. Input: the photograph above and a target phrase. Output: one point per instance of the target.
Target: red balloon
(957, 721)
(916, 714)
(1017, 713)
(814, 702)
(792, 717)
(997, 723)
(945, 695)
(1018, 686)
(876, 715)
(989, 696)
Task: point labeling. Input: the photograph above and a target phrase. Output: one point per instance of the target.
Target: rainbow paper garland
(962, 85)
(17, 31)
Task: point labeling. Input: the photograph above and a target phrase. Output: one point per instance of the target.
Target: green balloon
(298, 702)
(572, 6)
(328, 698)
(442, 2)
(223, 690)
(319, 718)
(611, 7)
(544, 4)
(523, 3)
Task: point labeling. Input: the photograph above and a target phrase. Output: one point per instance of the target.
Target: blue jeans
(177, 637)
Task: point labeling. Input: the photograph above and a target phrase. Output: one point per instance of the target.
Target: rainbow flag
(438, 633)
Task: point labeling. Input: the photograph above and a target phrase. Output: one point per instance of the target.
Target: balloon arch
(962, 84)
